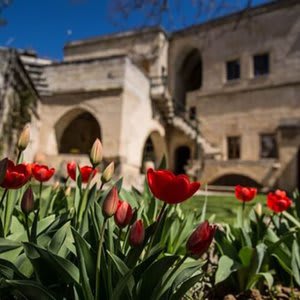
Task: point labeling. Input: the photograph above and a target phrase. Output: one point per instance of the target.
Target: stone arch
(233, 179)
(154, 149)
(188, 76)
(182, 157)
(76, 131)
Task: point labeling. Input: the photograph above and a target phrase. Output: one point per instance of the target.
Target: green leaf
(29, 289)
(296, 261)
(163, 164)
(153, 276)
(7, 245)
(9, 270)
(86, 264)
(291, 218)
(10, 203)
(123, 270)
(203, 213)
(226, 267)
(51, 267)
(174, 278)
(58, 239)
(245, 255)
(185, 287)
(257, 277)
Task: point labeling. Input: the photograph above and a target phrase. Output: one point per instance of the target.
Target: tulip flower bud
(55, 186)
(96, 153)
(110, 203)
(123, 214)
(24, 138)
(27, 202)
(68, 191)
(137, 234)
(200, 240)
(108, 173)
(258, 209)
(3, 168)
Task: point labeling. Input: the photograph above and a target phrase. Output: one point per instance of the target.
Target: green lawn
(224, 207)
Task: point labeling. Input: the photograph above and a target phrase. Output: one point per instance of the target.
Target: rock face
(220, 100)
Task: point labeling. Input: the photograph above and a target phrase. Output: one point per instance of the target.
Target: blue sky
(47, 25)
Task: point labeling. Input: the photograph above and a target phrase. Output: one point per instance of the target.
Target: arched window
(149, 154)
(182, 156)
(188, 77)
(76, 135)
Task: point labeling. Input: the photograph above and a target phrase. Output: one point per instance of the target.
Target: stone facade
(211, 98)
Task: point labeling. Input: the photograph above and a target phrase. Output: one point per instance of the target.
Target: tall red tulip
(137, 234)
(278, 201)
(42, 173)
(16, 175)
(123, 214)
(200, 240)
(85, 171)
(245, 194)
(170, 188)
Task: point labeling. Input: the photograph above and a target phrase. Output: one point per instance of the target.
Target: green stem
(101, 186)
(19, 156)
(125, 239)
(160, 216)
(40, 191)
(98, 263)
(243, 212)
(65, 185)
(83, 203)
(3, 197)
(27, 227)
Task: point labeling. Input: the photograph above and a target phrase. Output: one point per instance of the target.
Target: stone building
(221, 99)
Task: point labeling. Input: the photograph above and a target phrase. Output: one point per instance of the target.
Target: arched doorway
(182, 156)
(153, 151)
(188, 77)
(235, 179)
(76, 132)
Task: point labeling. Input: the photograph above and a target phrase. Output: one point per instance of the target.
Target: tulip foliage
(97, 240)
(92, 239)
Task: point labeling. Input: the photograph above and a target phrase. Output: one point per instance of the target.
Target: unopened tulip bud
(3, 168)
(200, 240)
(68, 191)
(258, 209)
(55, 186)
(108, 173)
(24, 138)
(96, 153)
(123, 214)
(137, 234)
(27, 202)
(110, 203)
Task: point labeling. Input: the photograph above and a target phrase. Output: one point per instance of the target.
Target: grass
(223, 207)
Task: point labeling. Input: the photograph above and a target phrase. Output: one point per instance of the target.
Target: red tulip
(278, 201)
(85, 172)
(137, 234)
(170, 188)
(41, 172)
(200, 240)
(110, 203)
(16, 175)
(123, 214)
(245, 194)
